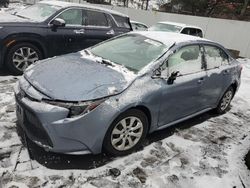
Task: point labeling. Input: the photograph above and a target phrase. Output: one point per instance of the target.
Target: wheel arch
(234, 85)
(36, 41)
(145, 110)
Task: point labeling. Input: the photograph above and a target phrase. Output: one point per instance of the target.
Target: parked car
(138, 26)
(110, 96)
(178, 28)
(51, 28)
(4, 3)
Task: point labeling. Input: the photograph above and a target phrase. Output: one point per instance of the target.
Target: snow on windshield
(38, 12)
(133, 51)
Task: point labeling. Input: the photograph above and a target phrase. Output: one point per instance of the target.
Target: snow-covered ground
(207, 151)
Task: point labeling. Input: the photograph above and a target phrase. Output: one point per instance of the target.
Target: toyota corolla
(110, 96)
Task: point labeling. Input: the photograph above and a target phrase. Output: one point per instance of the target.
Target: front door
(183, 97)
(69, 38)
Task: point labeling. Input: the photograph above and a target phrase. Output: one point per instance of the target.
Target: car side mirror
(58, 22)
(172, 77)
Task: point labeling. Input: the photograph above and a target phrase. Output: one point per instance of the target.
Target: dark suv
(51, 28)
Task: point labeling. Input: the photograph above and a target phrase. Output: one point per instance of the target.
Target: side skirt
(183, 119)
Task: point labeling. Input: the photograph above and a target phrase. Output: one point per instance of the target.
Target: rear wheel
(126, 133)
(225, 101)
(21, 56)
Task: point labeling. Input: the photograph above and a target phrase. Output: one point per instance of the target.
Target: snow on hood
(6, 17)
(75, 77)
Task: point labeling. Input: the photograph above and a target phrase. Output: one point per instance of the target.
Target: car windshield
(38, 12)
(133, 51)
(165, 27)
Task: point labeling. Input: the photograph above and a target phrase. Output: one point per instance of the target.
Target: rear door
(183, 97)
(97, 27)
(219, 76)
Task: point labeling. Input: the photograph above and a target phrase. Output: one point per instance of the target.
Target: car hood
(77, 77)
(6, 18)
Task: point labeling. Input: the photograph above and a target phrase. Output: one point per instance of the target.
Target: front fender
(15, 38)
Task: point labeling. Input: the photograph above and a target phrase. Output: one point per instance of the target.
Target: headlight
(77, 109)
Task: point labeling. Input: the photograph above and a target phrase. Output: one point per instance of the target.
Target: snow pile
(207, 151)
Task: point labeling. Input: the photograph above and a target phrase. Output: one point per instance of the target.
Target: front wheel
(126, 133)
(21, 56)
(225, 101)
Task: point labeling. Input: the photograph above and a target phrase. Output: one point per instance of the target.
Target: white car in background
(177, 28)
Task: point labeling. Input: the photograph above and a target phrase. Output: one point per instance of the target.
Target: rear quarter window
(122, 21)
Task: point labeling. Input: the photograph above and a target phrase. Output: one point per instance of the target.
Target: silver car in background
(110, 96)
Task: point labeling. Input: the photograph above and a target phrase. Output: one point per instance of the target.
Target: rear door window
(192, 31)
(215, 57)
(95, 18)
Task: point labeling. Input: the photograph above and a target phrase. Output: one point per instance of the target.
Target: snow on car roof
(180, 24)
(170, 37)
(64, 4)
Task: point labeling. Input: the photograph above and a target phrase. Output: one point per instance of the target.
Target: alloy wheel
(127, 133)
(23, 57)
(226, 100)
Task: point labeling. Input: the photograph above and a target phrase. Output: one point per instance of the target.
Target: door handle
(200, 81)
(80, 31)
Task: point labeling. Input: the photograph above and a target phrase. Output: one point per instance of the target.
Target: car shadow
(63, 161)
(5, 72)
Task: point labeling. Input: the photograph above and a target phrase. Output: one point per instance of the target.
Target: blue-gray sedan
(110, 96)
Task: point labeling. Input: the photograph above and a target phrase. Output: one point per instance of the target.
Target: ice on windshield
(38, 12)
(133, 51)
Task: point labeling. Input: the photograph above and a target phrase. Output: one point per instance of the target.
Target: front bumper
(48, 126)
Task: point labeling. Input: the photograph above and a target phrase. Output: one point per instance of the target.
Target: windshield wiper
(106, 62)
(99, 59)
(21, 16)
(87, 52)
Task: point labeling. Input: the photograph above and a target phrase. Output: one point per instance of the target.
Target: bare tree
(244, 8)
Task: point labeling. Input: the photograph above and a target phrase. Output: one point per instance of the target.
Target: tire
(225, 101)
(117, 141)
(20, 53)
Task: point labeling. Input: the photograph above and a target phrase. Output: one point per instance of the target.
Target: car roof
(180, 24)
(169, 38)
(64, 4)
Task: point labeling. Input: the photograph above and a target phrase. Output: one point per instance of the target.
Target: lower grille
(33, 126)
